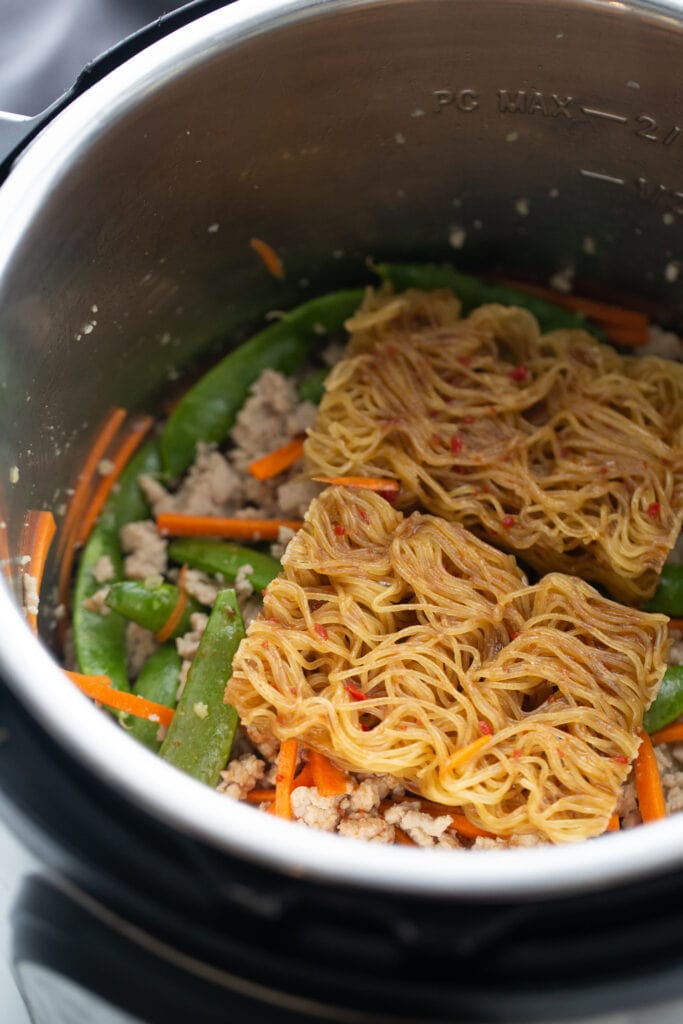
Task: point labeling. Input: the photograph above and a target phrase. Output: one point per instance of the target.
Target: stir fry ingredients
(549, 445)
(303, 589)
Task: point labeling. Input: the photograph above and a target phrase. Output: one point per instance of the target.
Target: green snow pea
(158, 681)
(225, 558)
(209, 409)
(668, 704)
(312, 388)
(668, 597)
(150, 606)
(200, 737)
(473, 292)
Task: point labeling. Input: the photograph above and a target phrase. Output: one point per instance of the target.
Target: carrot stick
(304, 778)
(670, 734)
(602, 312)
(459, 823)
(463, 755)
(261, 796)
(286, 765)
(279, 460)
(648, 782)
(37, 535)
(613, 824)
(100, 688)
(178, 525)
(675, 623)
(369, 483)
(137, 431)
(71, 525)
(271, 260)
(403, 839)
(169, 627)
(329, 780)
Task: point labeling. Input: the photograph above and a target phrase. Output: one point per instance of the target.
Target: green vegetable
(225, 558)
(312, 388)
(474, 292)
(668, 704)
(100, 640)
(208, 410)
(158, 681)
(150, 606)
(668, 597)
(201, 735)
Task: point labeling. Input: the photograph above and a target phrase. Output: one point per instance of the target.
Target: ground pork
(241, 776)
(278, 548)
(96, 602)
(262, 421)
(145, 550)
(103, 570)
(294, 497)
(201, 586)
(212, 486)
(627, 805)
(662, 343)
(374, 829)
(676, 649)
(140, 644)
(266, 745)
(672, 778)
(321, 812)
(243, 587)
(188, 644)
(159, 499)
(31, 598)
(182, 677)
(422, 828)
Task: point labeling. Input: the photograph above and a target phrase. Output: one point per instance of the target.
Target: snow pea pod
(100, 640)
(158, 681)
(150, 606)
(473, 292)
(668, 597)
(200, 738)
(209, 409)
(312, 388)
(668, 704)
(225, 558)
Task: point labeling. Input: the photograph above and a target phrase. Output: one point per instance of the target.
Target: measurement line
(605, 114)
(601, 177)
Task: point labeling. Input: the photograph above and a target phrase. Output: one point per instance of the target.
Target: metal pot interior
(510, 137)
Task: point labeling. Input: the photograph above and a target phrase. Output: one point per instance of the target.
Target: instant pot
(515, 137)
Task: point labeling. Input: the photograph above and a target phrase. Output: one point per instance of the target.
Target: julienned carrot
(648, 782)
(277, 461)
(177, 525)
(37, 535)
(370, 483)
(329, 780)
(463, 755)
(138, 429)
(66, 544)
(631, 325)
(671, 734)
(459, 823)
(675, 624)
(175, 618)
(271, 260)
(286, 765)
(99, 688)
(261, 796)
(613, 824)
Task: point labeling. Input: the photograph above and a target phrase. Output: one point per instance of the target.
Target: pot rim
(162, 791)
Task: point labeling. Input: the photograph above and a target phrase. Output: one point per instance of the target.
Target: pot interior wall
(512, 137)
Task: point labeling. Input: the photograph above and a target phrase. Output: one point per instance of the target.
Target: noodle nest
(405, 645)
(552, 446)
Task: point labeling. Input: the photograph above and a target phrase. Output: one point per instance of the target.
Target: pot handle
(17, 131)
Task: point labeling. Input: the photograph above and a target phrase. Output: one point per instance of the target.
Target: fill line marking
(605, 114)
(601, 177)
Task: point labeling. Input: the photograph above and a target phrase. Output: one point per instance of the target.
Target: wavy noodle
(445, 638)
(552, 446)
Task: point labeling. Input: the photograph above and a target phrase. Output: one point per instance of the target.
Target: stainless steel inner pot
(507, 135)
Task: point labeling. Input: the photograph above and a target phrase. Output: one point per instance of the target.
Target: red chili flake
(264, 591)
(265, 644)
(456, 444)
(620, 759)
(516, 754)
(436, 440)
(388, 495)
(354, 692)
(514, 634)
(321, 631)
(314, 605)
(292, 690)
(339, 529)
(604, 470)
(507, 522)
(653, 510)
(519, 373)
(271, 619)
(565, 452)
(363, 514)
(364, 727)
(493, 410)
(468, 419)
(465, 360)
(391, 350)
(485, 729)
